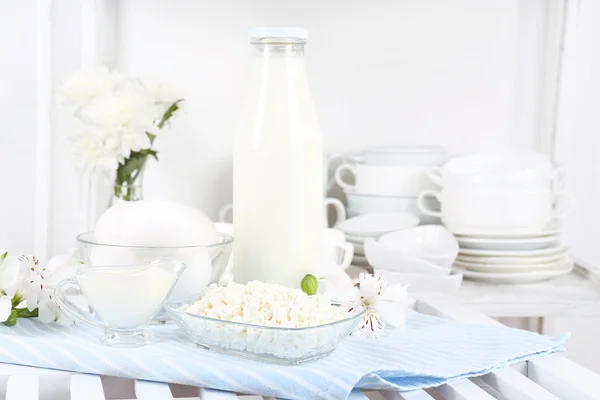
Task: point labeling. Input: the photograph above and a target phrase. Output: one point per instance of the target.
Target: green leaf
(151, 136)
(25, 313)
(17, 299)
(12, 318)
(169, 113)
(3, 256)
(309, 284)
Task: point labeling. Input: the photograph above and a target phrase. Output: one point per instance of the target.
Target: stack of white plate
(513, 257)
(359, 229)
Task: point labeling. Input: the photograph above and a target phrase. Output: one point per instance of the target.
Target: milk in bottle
(277, 166)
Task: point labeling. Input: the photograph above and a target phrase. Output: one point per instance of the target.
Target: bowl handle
(568, 208)
(435, 174)
(340, 180)
(68, 307)
(421, 202)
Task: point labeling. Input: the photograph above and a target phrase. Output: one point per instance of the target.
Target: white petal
(31, 302)
(372, 323)
(370, 285)
(10, 270)
(395, 293)
(392, 305)
(64, 319)
(5, 308)
(46, 313)
(392, 313)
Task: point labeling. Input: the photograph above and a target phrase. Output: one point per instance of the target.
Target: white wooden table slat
(23, 387)
(555, 373)
(463, 390)
(515, 386)
(564, 378)
(213, 394)
(413, 395)
(146, 390)
(86, 387)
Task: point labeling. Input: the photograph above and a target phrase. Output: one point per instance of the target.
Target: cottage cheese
(266, 304)
(278, 310)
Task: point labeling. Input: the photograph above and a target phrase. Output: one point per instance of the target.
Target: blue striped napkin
(428, 352)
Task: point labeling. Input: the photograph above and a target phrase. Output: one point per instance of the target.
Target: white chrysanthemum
(129, 110)
(96, 148)
(84, 85)
(159, 91)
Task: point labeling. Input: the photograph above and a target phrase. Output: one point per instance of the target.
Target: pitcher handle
(339, 179)
(68, 306)
(435, 174)
(568, 208)
(338, 206)
(423, 207)
(223, 212)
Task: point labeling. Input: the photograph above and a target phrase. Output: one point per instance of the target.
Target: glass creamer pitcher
(278, 166)
(123, 298)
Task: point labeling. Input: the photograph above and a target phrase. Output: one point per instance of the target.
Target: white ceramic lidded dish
(496, 210)
(510, 168)
(265, 343)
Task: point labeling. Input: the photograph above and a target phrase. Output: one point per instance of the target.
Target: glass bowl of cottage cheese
(265, 322)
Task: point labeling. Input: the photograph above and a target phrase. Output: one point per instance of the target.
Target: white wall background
(463, 73)
(17, 118)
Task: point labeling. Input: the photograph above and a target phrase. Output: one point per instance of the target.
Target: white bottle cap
(277, 32)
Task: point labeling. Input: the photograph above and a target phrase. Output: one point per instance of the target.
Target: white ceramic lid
(277, 32)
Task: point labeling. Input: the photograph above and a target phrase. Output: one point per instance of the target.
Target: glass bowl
(265, 343)
(204, 264)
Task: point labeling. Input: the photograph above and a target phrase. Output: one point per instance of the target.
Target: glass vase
(128, 184)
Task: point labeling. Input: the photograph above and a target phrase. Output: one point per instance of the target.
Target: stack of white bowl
(419, 257)
(362, 228)
(504, 209)
(389, 179)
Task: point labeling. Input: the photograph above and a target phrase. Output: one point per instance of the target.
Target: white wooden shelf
(572, 295)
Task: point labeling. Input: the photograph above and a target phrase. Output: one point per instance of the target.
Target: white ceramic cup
(384, 180)
(336, 250)
(406, 155)
(361, 204)
(489, 209)
(338, 206)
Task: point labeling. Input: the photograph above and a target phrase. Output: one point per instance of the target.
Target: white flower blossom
(159, 91)
(86, 84)
(114, 114)
(384, 304)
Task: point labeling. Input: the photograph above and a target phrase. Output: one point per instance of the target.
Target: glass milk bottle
(278, 166)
